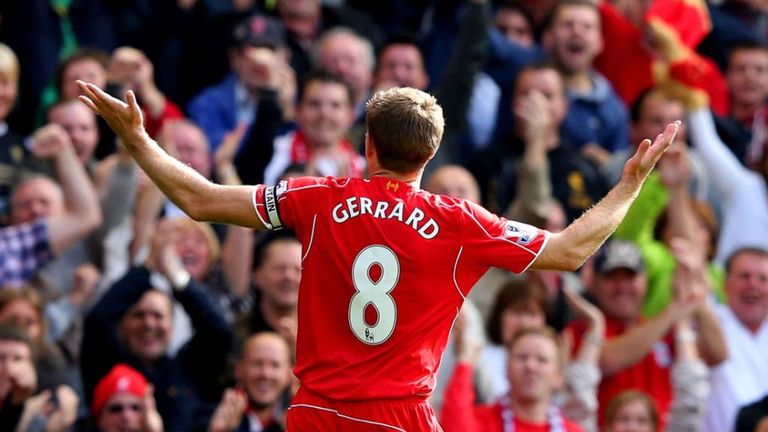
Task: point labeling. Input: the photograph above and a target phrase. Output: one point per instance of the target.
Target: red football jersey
(385, 269)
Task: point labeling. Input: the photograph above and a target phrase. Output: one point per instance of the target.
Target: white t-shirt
(740, 380)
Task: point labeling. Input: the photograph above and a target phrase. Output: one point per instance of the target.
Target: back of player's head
(405, 126)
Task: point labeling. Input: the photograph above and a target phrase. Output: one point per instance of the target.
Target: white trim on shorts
(338, 414)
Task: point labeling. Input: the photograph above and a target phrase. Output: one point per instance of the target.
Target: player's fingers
(96, 100)
(664, 140)
(104, 97)
(89, 103)
(643, 147)
(86, 90)
(133, 104)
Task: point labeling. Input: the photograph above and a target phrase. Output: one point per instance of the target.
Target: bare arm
(569, 249)
(626, 350)
(711, 340)
(81, 213)
(534, 188)
(675, 170)
(199, 198)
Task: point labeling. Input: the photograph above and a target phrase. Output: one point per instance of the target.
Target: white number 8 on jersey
(374, 293)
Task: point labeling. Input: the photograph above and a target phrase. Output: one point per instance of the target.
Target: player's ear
(370, 149)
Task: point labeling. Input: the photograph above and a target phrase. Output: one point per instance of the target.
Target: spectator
(83, 62)
(632, 408)
(669, 60)
(114, 180)
(264, 378)
(742, 192)
(258, 62)
(744, 129)
(61, 30)
(471, 324)
(12, 152)
(132, 324)
(324, 115)
(665, 210)
(468, 96)
(80, 126)
(26, 247)
(648, 113)
(306, 22)
(515, 22)
(130, 69)
(400, 63)
(191, 146)
(18, 380)
(535, 370)
(540, 107)
(344, 53)
(742, 378)
(519, 304)
(24, 309)
(596, 121)
(638, 352)
(455, 181)
(123, 401)
(276, 276)
(19, 410)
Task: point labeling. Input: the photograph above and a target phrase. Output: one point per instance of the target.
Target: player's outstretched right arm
(199, 198)
(569, 249)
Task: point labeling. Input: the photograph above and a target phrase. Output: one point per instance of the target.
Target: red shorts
(311, 412)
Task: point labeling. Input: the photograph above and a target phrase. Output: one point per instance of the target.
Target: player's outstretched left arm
(199, 198)
(569, 249)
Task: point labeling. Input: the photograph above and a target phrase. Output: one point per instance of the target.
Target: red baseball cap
(121, 379)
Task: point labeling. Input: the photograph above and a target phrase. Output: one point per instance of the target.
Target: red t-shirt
(385, 271)
(651, 374)
(461, 414)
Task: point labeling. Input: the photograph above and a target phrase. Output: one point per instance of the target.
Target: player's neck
(531, 411)
(413, 179)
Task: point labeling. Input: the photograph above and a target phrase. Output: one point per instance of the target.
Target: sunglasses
(117, 408)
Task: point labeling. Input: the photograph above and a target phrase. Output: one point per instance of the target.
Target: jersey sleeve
(503, 243)
(278, 205)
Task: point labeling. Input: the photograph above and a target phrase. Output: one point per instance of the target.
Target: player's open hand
(124, 118)
(638, 167)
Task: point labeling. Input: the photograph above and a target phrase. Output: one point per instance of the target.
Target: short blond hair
(9, 63)
(406, 126)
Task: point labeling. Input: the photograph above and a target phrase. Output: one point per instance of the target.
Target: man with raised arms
(374, 314)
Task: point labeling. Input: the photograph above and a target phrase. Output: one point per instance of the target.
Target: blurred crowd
(118, 313)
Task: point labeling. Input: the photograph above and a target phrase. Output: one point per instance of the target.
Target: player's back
(385, 271)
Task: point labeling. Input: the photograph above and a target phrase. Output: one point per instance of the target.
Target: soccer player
(386, 266)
